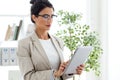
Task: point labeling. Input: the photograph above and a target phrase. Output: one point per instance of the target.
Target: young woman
(40, 54)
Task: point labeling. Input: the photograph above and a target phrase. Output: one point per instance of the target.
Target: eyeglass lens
(47, 16)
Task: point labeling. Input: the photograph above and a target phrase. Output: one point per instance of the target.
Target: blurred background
(102, 16)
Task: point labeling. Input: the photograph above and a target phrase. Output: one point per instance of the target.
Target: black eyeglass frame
(47, 16)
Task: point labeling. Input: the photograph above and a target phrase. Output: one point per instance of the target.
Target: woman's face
(44, 19)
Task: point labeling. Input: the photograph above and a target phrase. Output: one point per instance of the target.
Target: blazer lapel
(57, 46)
(40, 49)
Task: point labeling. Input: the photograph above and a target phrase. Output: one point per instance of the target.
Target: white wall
(114, 39)
(97, 19)
(14, 7)
(106, 14)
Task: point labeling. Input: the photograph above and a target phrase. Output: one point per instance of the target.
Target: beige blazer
(33, 61)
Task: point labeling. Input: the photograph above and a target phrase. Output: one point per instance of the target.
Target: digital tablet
(80, 56)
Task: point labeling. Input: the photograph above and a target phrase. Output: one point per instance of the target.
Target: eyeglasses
(47, 16)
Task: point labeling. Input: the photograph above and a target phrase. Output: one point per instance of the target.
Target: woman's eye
(46, 16)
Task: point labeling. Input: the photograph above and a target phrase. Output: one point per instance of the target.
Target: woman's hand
(61, 69)
(80, 69)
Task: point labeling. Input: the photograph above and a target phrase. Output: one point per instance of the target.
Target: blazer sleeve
(26, 65)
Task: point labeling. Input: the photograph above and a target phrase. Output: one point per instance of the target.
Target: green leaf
(75, 34)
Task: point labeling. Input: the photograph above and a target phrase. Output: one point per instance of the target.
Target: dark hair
(34, 1)
(39, 5)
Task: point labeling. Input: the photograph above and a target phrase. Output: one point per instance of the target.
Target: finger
(79, 71)
(82, 65)
(62, 67)
(80, 68)
(64, 64)
(68, 61)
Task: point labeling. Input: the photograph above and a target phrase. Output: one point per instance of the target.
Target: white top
(51, 53)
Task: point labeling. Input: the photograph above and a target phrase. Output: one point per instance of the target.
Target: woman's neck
(42, 34)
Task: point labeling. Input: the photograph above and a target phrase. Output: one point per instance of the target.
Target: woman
(40, 54)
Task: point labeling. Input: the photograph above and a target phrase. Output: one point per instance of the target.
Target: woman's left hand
(80, 69)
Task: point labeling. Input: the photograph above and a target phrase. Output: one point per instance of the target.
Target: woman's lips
(48, 25)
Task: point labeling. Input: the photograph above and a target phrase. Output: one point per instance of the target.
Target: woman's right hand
(61, 69)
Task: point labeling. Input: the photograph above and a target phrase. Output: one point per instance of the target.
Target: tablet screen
(80, 56)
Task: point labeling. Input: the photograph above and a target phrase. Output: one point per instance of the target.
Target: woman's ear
(33, 18)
